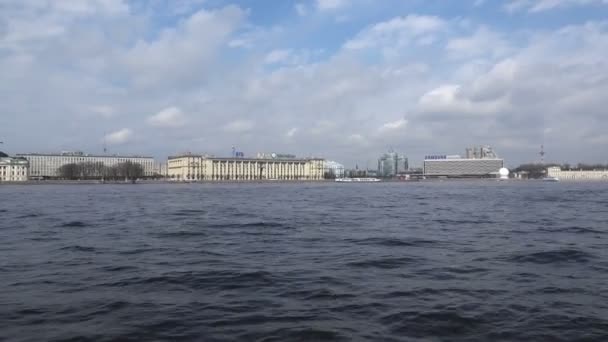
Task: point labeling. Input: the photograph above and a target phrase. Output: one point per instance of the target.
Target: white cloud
(168, 117)
(394, 125)
(357, 140)
(395, 32)
(89, 7)
(180, 54)
(103, 111)
(239, 126)
(119, 137)
(343, 104)
(450, 100)
(277, 56)
(291, 132)
(483, 42)
(534, 6)
(327, 5)
(301, 9)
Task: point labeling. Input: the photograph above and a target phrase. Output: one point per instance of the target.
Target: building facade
(334, 169)
(43, 166)
(392, 164)
(577, 175)
(203, 168)
(14, 169)
(481, 162)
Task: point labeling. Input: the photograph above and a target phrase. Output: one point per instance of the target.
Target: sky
(346, 80)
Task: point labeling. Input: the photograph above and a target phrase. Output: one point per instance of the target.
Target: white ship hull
(357, 180)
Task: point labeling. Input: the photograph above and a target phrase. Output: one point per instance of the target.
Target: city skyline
(340, 79)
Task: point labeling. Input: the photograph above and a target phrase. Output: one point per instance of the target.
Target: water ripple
(427, 261)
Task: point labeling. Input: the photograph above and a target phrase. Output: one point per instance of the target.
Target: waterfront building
(334, 169)
(577, 175)
(44, 166)
(392, 164)
(190, 167)
(13, 169)
(161, 170)
(480, 162)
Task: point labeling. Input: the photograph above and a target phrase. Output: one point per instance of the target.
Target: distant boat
(550, 179)
(348, 180)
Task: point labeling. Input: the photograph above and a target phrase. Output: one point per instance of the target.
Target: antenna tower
(105, 148)
(542, 154)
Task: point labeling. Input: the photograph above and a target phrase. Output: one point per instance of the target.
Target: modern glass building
(391, 164)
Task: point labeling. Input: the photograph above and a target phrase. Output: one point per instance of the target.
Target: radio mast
(105, 148)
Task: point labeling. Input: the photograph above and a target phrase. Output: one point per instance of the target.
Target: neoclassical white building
(13, 169)
(335, 169)
(191, 167)
(577, 175)
(46, 165)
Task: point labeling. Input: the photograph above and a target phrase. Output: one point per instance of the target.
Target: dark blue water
(440, 261)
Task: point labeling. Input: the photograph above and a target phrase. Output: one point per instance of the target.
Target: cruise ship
(348, 180)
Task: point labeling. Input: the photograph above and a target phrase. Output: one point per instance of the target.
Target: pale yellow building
(577, 175)
(191, 167)
(14, 169)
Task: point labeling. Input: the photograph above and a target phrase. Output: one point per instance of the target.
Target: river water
(439, 261)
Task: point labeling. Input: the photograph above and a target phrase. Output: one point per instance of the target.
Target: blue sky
(341, 79)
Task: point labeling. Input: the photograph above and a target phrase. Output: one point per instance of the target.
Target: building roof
(13, 161)
(80, 155)
(242, 159)
(3, 155)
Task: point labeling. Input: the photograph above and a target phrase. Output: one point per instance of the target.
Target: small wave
(256, 224)
(253, 319)
(385, 263)
(74, 224)
(434, 292)
(562, 327)
(460, 270)
(555, 256)
(260, 224)
(46, 239)
(573, 230)
(223, 280)
(310, 334)
(318, 294)
(189, 212)
(426, 324)
(524, 277)
(135, 251)
(118, 268)
(556, 290)
(24, 216)
(463, 222)
(395, 242)
(78, 248)
(180, 234)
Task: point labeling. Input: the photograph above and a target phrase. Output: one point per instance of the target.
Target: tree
(329, 174)
(129, 171)
(69, 171)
